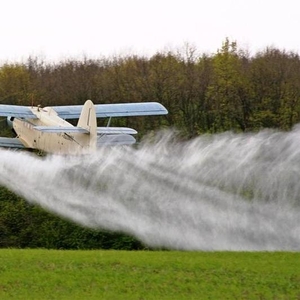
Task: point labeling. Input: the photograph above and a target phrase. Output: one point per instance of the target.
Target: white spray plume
(216, 192)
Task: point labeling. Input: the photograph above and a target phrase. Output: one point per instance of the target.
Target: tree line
(228, 90)
(204, 93)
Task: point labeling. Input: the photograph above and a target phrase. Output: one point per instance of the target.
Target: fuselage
(59, 143)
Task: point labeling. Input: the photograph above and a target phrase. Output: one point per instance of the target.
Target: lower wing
(11, 143)
(115, 139)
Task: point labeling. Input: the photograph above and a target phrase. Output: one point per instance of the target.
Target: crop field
(97, 274)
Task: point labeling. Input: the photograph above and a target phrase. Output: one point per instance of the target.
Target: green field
(97, 274)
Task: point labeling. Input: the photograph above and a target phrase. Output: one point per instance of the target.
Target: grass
(53, 274)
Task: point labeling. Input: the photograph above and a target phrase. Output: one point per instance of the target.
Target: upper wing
(16, 111)
(11, 143)
(102, 110)
(114, 110)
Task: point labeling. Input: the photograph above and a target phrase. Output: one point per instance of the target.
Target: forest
(230, 90)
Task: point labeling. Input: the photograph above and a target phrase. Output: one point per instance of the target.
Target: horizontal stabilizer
(114, 110)
(115, 130)
(61, 129)
(118, 139)
(11, 143)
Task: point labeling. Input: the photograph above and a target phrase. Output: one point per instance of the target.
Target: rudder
(88, 121)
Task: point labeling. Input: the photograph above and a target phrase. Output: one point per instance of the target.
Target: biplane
(46, 129)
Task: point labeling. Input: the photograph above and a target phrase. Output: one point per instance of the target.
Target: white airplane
(45, 129)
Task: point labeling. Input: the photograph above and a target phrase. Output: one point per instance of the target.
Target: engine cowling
(10, 121)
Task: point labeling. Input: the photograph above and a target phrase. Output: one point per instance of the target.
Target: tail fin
(88, 121)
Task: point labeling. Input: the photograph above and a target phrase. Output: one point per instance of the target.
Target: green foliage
(48, 274)
(14, 84)
(26, 226)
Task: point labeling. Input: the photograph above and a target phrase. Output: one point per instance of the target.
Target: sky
(61, 29)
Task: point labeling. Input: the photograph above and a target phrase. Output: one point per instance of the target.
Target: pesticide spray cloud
(218, 192)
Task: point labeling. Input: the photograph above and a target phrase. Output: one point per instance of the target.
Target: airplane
(46, 129)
